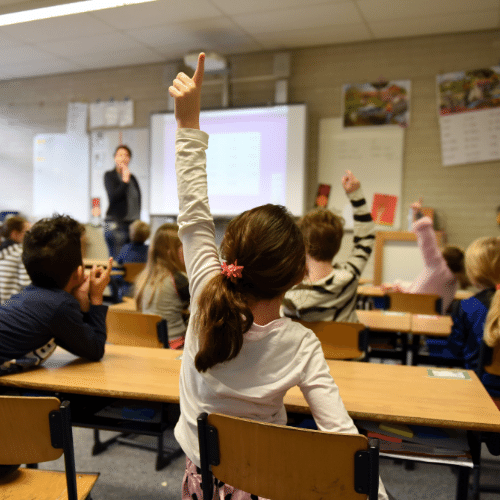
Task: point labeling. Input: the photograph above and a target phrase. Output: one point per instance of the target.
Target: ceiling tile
(219, 34)
(40, 67)
(91, 45)
(114, 59)
(319, 36)
(23, 54)
(396, 9)
(6, 41)
(232, 7)
(57, 28)
(156, 13)
(449, 23)
(303, 18)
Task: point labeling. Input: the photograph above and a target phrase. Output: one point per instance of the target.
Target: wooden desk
(406, 394)
(370, 391)
(432, 325)
(385, 320)
(143, 373)
(378, 291)
(128, 304)
(371, 290)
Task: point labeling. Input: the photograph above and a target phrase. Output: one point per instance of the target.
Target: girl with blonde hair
(479, 316)
(162, 288)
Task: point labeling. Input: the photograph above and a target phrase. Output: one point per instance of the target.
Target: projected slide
(254, 156)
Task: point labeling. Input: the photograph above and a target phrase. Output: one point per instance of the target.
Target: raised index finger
(200, 70)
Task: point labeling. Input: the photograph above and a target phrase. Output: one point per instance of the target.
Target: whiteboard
(402, 260)
(61, 176)
(373, 154)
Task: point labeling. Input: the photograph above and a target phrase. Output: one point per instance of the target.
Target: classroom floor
(129, 473)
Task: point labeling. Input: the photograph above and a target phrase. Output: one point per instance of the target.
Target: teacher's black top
(119, 194)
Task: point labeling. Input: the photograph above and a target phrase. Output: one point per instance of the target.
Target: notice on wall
(469, 115)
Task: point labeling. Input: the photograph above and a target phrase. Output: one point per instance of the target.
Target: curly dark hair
(52, 251)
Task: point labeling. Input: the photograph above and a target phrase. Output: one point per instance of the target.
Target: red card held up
(384, 208)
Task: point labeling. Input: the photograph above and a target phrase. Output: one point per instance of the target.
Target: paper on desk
(448, 374)
(461, 461)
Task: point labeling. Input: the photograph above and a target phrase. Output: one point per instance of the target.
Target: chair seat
(36, 484)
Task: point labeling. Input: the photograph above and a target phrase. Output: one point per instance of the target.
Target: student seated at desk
(443, 270)
(163, 288)
(61, 307)
(476, 316)
(135, 251)
(13, 275)
(240, 356)
(328, 293)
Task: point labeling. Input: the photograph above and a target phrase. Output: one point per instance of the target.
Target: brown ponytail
(267, 242)
(224, 317)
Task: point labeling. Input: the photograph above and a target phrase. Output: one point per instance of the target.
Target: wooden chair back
(25, 431)
(415, 303)
(33, 430)
(132, 270)
(282, 462)
(133, 328)
(340, 340)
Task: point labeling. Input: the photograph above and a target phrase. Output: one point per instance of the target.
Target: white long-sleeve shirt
(274, 357)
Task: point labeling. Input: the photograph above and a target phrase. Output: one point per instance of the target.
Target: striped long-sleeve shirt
(13, 275)
(333, 298)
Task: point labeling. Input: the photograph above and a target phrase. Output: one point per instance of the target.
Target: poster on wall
(469, 115)
(376, 103)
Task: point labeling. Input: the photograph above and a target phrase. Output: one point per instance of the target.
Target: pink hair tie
(498, 286)
(231, 271)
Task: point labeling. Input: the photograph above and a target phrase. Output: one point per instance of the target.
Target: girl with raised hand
(240, 357)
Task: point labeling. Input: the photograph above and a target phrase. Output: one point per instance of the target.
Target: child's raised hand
(417, 205)
(187, 94)
(350, 182)
(99, 280)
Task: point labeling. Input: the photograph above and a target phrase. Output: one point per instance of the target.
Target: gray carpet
(128, 473)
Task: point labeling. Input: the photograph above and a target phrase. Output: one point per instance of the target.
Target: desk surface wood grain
(385, 320)
(370, 391)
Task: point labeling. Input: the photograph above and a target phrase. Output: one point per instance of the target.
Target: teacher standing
(124, 197)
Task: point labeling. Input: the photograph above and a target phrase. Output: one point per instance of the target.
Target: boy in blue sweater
(61, 307)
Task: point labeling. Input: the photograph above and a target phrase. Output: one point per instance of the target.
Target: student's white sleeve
(196, 226)
(323, 397)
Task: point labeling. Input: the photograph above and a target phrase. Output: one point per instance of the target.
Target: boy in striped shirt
(328, 292)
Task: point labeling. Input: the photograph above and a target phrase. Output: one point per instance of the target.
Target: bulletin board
(374, 155)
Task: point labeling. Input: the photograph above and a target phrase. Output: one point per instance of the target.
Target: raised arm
(426, 237)
(364, 228)
(196, 227)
